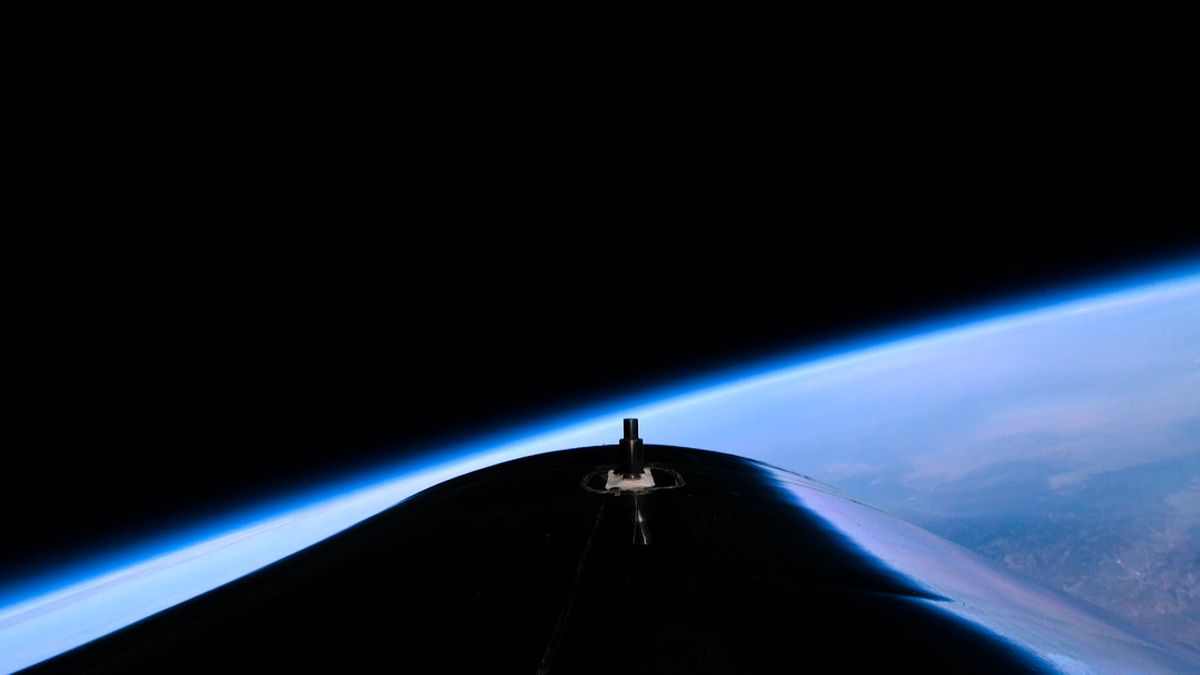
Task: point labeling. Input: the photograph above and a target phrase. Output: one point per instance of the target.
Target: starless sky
(153, 391)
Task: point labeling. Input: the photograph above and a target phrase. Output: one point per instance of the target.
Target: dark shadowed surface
(522, 568)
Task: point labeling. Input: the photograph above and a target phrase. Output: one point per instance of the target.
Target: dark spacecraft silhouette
(634, 559)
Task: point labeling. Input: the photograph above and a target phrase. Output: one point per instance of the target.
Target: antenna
(632, 460)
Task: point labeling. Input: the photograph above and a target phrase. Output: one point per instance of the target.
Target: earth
(1062, 442)
(1064, 445)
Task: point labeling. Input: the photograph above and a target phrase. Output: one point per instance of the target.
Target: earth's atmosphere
(1063, 443)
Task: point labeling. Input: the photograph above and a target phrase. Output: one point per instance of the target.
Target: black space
(230, 296)
(169, 389)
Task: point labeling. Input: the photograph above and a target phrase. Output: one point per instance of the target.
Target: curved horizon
(57, 610)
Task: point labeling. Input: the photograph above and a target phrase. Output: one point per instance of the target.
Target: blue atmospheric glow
(69, 606)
